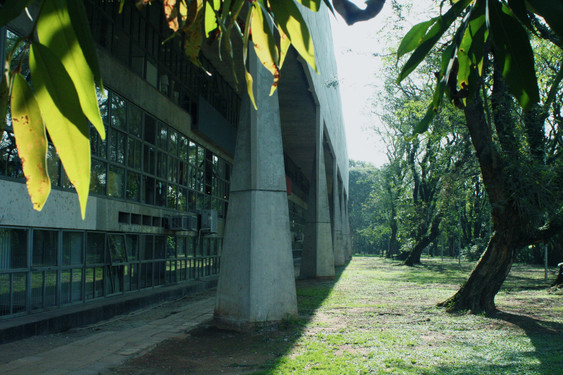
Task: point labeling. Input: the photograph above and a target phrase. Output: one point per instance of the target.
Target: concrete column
(318, 255)
(339, 257)
(257, 279)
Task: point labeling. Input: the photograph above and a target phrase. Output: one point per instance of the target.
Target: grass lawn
(378, 317)
(381, 318)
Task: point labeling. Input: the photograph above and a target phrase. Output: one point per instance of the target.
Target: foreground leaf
(291, 22)
(31, 141)
(313, 5)
(513, 54)
(55, 31)
(79, 20)
(264, 43)
(65, 122)
(414, 37)
(431, 38)
(211, 11)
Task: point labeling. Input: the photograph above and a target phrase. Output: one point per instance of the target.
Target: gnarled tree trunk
(478, 293)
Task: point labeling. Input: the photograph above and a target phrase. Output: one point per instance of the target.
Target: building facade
(165, 195)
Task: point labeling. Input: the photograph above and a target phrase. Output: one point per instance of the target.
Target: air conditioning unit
(209, 221)
(182, 222)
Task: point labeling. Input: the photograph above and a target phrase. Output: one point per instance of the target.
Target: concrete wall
(326, 87)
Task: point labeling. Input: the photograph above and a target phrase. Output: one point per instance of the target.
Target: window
(13, 248)
(72, 248)
(45, 246)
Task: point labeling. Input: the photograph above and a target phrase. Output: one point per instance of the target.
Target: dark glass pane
(72, 248)
(50, 288)
(98, 177)
(147, 247)
(132, 247)
(149, 190)
(118, 112)
(173, 142)
(13, 248)
(173, 169)
(149, 159)
(182, 199)
(172, 196)
(95, 247)
(160, 247)
(5, 292)
(171, 247)
(135, 120)
(116, 181)
(162, 137)
(45, 244)
(133, 189)
(161, 168)
(117, 251)
(161, 193)
(134, 153)
(150, 129)
(19, 287)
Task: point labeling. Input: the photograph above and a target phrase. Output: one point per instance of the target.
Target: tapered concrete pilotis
(257, 281)
(318, 254)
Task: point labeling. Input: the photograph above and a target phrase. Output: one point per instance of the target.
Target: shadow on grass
(441, 272)
(547, 338)
(311, 294)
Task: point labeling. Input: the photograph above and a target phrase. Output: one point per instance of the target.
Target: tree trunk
(558, 283)
(477, 294)
(393, 243)
(414, 255)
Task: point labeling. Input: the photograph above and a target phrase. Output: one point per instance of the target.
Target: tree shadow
(209, 350)
(545, 336)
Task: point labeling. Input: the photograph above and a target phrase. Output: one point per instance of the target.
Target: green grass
(379, 318)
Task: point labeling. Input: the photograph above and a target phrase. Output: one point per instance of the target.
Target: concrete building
(191, 181)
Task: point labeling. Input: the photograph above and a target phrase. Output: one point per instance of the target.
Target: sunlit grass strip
(381, 318)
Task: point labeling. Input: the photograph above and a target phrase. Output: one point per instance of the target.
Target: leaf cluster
(501, 27)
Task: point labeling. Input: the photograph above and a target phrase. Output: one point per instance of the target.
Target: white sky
(360, 80)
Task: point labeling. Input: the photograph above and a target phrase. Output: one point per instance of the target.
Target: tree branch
(352, 13)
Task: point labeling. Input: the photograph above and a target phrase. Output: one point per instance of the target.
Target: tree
(487, 63)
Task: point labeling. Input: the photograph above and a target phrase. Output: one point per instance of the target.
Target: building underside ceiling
(298, 114)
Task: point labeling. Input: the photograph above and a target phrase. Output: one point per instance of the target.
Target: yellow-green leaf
(211, 10)
(285, 43)
(65, 122)
(55, 31)
(79, 20)
(31, 141)
(314, 5)
(291, 22)
(264, 43)
(249, 82)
